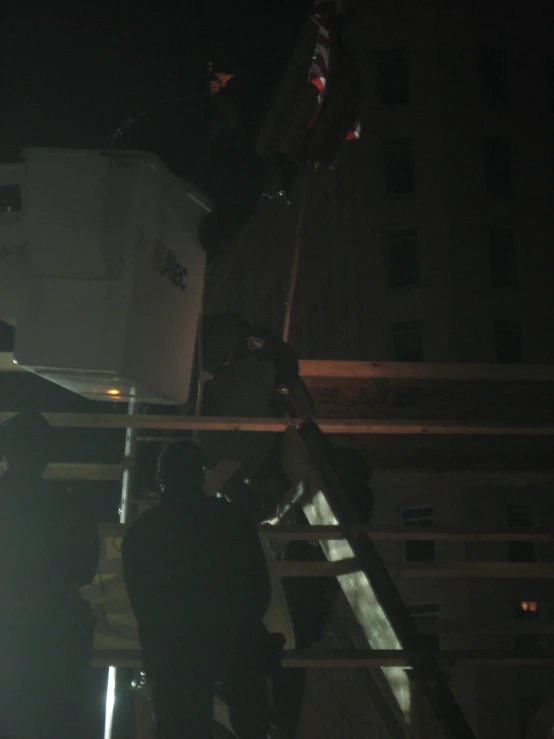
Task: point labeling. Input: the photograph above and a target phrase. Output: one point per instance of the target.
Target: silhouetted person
(199, 587)
(48, 550)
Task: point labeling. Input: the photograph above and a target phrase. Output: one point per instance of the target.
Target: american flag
(319, 70)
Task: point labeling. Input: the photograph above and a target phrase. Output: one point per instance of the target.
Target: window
(407, 341)
(522, 517)
(503, 257)
(529, 611)
(424, 550)
(7, 334)
(528, 708)
(427, 612)
(508, 341)
(550, 82)
(497, 161)
(403, 258)
(393, 77)
(491, 77)
(399, 167)
(10, 198)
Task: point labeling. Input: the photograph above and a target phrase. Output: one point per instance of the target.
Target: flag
(334, 74)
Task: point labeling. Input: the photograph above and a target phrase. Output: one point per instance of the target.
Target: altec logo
(166, 264)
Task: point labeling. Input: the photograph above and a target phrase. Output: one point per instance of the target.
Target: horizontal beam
(405, 533)
(329, 369)
(272, 425)
(488, 628)
(455, 570)
(381, 478)
(73, 471)
(464, 372)
(285, 532)
(345, 658)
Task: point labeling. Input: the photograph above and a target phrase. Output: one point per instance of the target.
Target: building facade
(432, 240)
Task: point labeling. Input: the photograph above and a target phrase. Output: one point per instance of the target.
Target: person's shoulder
(144, 526)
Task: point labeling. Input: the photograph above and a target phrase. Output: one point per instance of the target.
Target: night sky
(73, 73)
(70, 75)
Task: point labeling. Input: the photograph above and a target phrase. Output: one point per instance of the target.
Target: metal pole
(124, 511)
(295, 258)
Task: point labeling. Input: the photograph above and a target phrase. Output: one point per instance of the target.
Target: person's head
(28, 443)
(181, 468)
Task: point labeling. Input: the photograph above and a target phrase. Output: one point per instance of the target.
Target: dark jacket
(195, 574)
(48, 547)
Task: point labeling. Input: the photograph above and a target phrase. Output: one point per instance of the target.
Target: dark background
(70, 75)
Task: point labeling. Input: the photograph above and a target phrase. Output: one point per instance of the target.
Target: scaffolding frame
(423, 663)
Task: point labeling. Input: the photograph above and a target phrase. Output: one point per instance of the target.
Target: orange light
(114, 392)
(530, 606)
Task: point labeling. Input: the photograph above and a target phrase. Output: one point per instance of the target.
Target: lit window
(527, 610)
(530, 606)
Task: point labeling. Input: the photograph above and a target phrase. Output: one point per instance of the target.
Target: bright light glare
(362, 598)
(114, 391)
(110, 702)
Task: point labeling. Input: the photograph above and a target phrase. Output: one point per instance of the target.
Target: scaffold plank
(339, 658)
(331, 426)
(459, 570)
(285, 532)
(344, 369)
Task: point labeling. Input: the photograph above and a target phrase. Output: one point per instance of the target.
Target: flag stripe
(319, 69)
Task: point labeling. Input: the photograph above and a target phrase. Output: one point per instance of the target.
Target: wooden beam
(107, 472)
(329, 369)
(81, 471)
(475, 627)
(348, 658)
(272, 425)
(405, 533)
(454, 570)
(284, 532)
(464, 372)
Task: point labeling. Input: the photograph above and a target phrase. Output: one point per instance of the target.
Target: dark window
(10, 198)
(521, 517)
(528, 708)
(403, 258)
(550, 82)
(399, 167)
(529, 611)
(424, 550)
(508, 341)
(498, 168)
(393, 77)
(491, 77)
(427, 612)
(7, 334)
(503, 257)
(407, 341)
